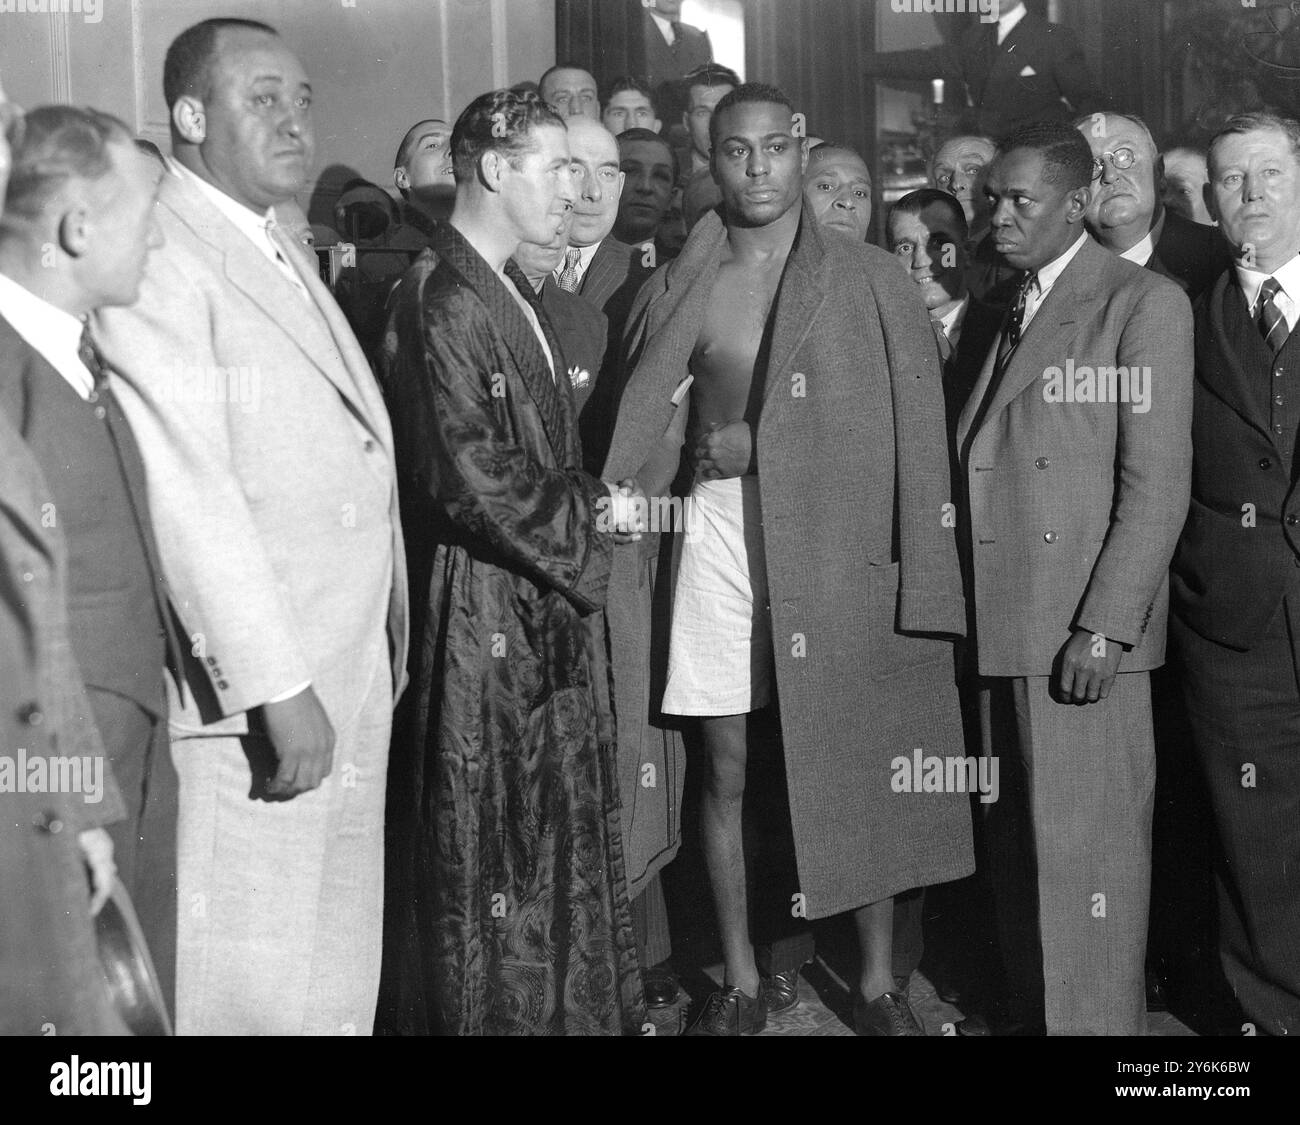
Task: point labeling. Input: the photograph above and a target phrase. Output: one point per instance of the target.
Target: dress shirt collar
(1049, 273)
(245, 218)
(665, 26)
(585, 254)
(1007, 23)
(51, 331)
(1140, 252)
(952, 320)
(1288, 276)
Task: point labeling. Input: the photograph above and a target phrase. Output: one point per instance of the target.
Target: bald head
(958, 167)
(597, 178)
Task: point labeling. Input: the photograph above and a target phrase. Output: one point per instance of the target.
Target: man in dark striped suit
(1236, 572)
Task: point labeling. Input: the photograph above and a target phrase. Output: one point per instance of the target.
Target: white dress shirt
(51, 331)
(1046, 278)
(1286, 298)
(256, 227)
(1140, 253)
(585, 254)
(1008, 22)
(952, 320)
(665, 26)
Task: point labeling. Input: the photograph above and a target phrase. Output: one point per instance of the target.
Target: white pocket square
(1028, 72)
(579, 377)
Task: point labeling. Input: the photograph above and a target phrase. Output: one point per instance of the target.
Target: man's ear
(491, 170)
(658, 126)
(189, 119)
(1080, 198)
(74, 231)
(401, 179)
(803, 155)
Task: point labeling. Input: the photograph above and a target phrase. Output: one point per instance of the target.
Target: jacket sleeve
(930, 593)
(219, 571)
(1153, 465)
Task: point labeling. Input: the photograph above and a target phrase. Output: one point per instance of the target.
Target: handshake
(626, 513)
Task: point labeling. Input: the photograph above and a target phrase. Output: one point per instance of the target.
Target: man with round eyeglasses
(1126, 214)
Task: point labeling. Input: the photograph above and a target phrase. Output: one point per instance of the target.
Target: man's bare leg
(722, 833)
(875, 924)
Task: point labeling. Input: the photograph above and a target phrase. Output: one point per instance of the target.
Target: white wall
(376, 66)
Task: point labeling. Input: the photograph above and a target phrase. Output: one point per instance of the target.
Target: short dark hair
(914, 202)
(647, 136)
(53, 144)
(1248, 122)
(188, 65)
(747, 93)
(541, 82)
(498, 121)
(710, 74)
(1067, 157)
(631, 82)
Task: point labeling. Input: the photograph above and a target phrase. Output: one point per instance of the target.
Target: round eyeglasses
(1121, 160)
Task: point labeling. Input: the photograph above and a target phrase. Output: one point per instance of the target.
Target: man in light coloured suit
(270, 472)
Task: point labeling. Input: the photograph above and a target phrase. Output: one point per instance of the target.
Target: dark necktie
(1272, 324)
(677, 39)
(88, 353)
(1010, 338)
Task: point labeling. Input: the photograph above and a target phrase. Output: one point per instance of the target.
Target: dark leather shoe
(730, 1012)
(889, 1014)
(782, 990)
(661, 987)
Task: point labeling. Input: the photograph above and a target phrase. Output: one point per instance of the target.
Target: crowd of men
(387, 626)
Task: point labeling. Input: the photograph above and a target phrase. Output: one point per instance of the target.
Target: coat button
(1049, 537)
(32, 715)
(1292, 520)
(93, 396)
(1265, 463)
(101, 413)
(47, 822)
(369, 446)
(1277, 400)
(28, 576)
(1277, 429)
(1041, 463)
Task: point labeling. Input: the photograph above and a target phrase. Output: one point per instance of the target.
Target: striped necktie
(569, 275)
(1272, 324)
(941, 338)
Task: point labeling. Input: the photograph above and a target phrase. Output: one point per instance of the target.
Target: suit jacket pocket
(889, 652)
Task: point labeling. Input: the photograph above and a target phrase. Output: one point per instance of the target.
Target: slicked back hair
(1067, 158)
(1240, 123)
(541, 82)
(187, 69)
(53, 144)
(498, 121)
(914, 202)
(647, 135)
(747, 93)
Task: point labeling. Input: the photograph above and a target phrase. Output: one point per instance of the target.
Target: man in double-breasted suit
(270, 470)
(1076, 452)
(672, 51)
(1236, 574)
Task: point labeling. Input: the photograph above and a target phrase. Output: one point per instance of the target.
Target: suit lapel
(1045, 342)
(520, 339)
(253, 274)
(1230, 381)
(798, 300)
